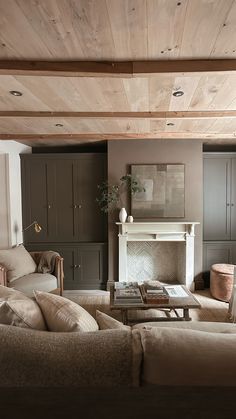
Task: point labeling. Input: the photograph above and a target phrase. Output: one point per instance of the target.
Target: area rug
(211, 310)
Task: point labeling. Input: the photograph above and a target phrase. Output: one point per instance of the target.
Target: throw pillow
(18, 262)
(177, 357)
(17, 309)
(106, 322)
(63, 315)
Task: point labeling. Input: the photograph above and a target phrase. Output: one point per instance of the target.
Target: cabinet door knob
(232, 205)
(49, 206)
(227, 205)
(75, 206)
(80, 206)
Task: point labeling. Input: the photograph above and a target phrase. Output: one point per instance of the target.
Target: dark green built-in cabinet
(59, 192)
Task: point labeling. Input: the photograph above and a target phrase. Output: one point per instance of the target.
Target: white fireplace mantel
(172, 231)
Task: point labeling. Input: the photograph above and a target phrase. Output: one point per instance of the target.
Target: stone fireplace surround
(161, 251)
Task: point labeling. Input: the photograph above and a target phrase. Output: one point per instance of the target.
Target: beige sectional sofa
(170, 354)
(50, 341)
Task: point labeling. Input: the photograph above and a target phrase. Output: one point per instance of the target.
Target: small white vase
(130, 219)
(122, 215)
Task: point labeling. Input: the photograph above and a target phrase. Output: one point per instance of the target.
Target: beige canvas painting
(163, 194)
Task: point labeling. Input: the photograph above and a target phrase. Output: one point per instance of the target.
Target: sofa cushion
(30, 358)
(18, 262)
(194, 325)
(18, 310)
(107, 322)
(36, 281)
(188, 357)
(63, 315)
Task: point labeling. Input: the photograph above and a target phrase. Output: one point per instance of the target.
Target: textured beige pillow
(18, 262)
(176, 357)
(63, 315)
(18, 310)
(106, 322)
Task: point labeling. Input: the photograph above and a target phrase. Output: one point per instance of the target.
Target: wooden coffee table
(182, 303)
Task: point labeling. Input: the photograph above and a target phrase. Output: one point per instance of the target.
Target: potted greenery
(110, 196)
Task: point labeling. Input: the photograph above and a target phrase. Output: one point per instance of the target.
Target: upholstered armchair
(29, 271)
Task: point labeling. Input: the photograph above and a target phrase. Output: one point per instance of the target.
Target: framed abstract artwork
(163, 195)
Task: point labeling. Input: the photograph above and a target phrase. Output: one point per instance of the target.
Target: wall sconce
(37, 227)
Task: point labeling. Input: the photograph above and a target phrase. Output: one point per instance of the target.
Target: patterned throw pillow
(63, 315)
(17, 309)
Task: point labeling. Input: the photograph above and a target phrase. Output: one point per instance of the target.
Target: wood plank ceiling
(118, 30)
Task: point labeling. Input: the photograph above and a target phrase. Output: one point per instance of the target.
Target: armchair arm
(3, 276)
(58, 269)
(59, 272)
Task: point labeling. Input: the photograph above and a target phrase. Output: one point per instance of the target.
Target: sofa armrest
(3, 276)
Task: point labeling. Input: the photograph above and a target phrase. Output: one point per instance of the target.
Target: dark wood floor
(119, 403)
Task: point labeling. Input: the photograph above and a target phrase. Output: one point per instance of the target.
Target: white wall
(10, 193)
(4, 202)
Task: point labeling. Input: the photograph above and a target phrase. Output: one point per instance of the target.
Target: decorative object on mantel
(163, 191)
(110, 196)
(122, 215)
(130, 219)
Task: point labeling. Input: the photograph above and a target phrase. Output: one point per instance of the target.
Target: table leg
(124, 316)
(186, 316)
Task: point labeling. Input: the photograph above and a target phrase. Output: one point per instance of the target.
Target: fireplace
(161, 251)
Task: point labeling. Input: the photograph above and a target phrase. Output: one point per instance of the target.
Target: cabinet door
(35, 198)
(60, 193)
(233, 199)
(91, 266)
(216, 253)
(84, 266)
(90, 221)
(216, 198)
(61, 200)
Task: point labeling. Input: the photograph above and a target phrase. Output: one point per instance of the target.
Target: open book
(175, 291)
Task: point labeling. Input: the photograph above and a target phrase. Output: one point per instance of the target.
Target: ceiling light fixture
(178, 93)
(59, 125)
(15, 93)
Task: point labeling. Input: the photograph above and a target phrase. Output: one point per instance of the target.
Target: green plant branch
(111, 195)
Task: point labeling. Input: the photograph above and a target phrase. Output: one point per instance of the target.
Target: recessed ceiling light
(58, 125)
(15, 93)
(178, 93)
(170, 124)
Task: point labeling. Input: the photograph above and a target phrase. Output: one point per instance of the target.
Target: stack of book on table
(127, 293)
(154, 294)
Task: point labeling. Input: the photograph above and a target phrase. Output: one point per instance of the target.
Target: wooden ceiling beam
(116, 136)
(114, 68)
(120, 115)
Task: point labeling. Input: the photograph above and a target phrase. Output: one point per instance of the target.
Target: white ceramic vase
(130, 219)
(122, 215)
